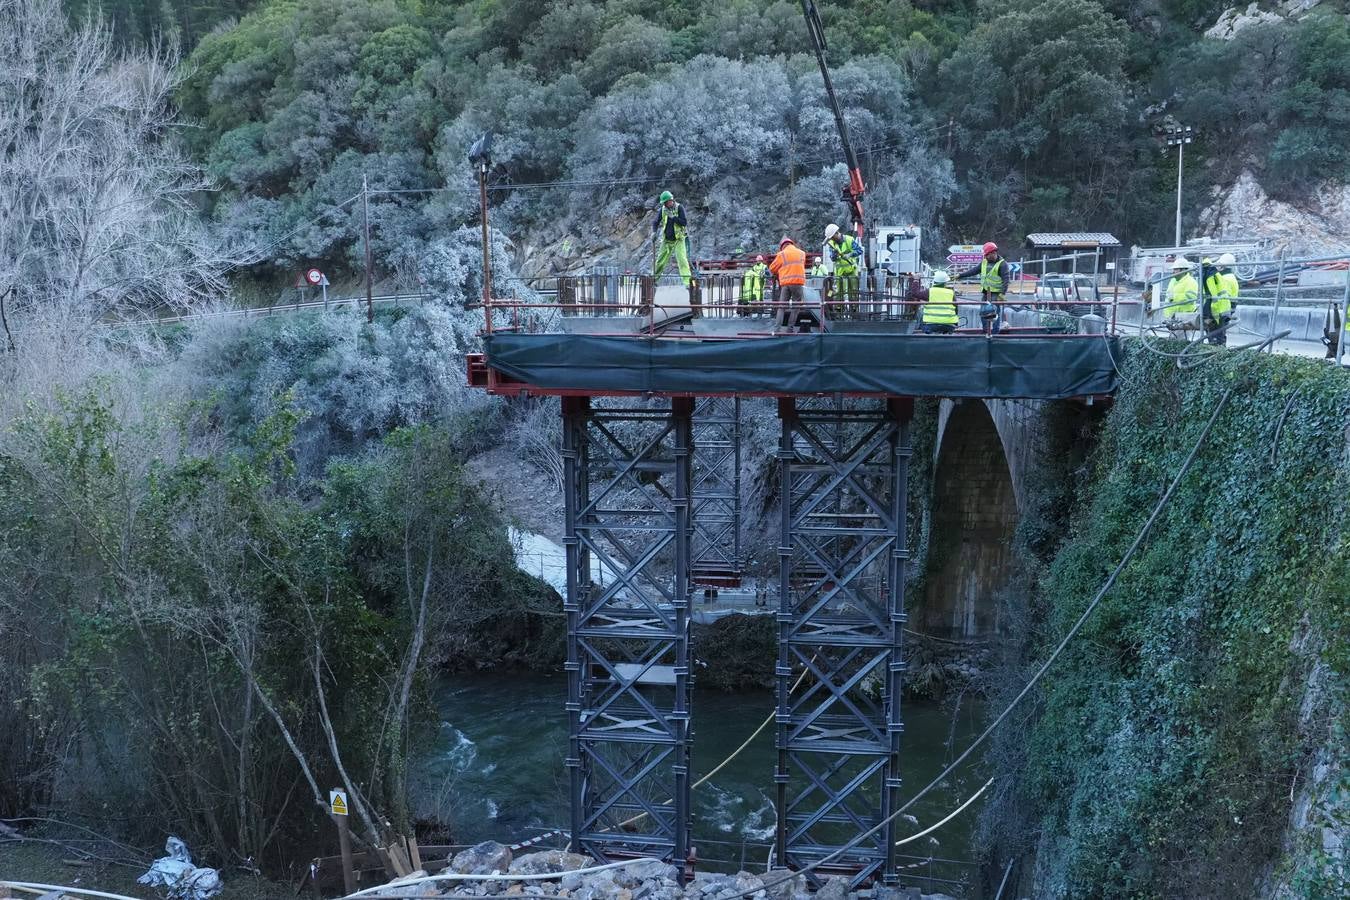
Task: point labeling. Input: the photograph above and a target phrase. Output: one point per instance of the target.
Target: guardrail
(246, 312)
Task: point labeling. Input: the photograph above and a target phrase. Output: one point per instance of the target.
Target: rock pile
(636, 881)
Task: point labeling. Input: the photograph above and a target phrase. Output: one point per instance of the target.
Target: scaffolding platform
(1008, 366)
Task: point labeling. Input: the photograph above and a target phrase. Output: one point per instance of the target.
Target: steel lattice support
(716, 552)
(627, 507)
(843, 471)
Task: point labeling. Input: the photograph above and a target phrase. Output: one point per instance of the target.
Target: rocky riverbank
(648, 880)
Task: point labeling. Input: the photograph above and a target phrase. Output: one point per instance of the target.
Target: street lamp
(1179, 136)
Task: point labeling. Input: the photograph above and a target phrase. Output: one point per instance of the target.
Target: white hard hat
(831, 230)
(1227, 259)
(1181, 262)
(940, 277)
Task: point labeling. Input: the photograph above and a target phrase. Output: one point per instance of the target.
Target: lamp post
(1179, 136)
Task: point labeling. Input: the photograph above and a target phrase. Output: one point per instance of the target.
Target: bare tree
(96, 208)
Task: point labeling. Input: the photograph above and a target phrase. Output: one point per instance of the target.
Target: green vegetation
(720, 101)
(1171, 736)
(250, 584)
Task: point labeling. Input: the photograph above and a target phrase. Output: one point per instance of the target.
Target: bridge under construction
(650, 381)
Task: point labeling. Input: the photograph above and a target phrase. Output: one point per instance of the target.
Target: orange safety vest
(790, 265)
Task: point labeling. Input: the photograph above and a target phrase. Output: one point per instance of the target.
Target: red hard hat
(761, 258)
(990, 247)
(785, 241)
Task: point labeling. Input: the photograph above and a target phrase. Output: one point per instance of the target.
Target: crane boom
(853, 192)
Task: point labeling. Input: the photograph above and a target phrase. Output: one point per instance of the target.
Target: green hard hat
(666, 195)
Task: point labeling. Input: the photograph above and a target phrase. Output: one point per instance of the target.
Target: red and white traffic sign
(314, 276)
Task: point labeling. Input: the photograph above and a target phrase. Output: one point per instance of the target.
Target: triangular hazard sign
(338, 802)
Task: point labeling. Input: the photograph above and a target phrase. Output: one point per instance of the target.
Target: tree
(1038, 94)
(96, 199)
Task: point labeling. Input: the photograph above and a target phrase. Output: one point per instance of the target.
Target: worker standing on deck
(753, 285)
(939, 313)
(846, 253)
(994, 280)
(670, 233)
(1221, 293)
(789, 267)
(1182, 291)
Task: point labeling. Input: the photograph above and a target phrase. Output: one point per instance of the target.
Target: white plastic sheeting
(179, 877)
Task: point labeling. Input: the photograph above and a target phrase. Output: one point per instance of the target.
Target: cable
(951, 815)
(46, 888)
(1026, 689)
(455, 876)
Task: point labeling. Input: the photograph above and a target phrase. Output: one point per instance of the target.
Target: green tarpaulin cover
(902, 365)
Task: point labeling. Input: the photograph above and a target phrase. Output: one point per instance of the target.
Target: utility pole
(480, 155)
(1179, 136)
(365, 228)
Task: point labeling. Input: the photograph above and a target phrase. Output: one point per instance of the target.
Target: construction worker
(846, 252)
(994, 280)
(1182, 291)
(753, 286)
(1221, 293)
(939, 313)
(789, 267)
(670, 233)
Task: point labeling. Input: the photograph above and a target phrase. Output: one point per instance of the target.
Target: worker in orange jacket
(789, 267)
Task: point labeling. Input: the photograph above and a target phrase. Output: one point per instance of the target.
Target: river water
(497, 770)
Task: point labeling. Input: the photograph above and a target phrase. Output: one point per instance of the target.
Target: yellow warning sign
(337, 802)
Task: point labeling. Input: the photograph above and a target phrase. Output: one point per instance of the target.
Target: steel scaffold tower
(843, 469)
(716, 552)
(627, 484)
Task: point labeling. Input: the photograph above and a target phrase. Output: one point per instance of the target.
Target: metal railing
(730, 305)
(1306, 296)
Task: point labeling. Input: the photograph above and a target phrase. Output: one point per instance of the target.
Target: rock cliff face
(1233, 20)
(1319, 224)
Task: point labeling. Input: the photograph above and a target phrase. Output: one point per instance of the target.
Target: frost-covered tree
(96, 210)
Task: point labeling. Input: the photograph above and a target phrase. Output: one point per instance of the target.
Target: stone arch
(973, 519)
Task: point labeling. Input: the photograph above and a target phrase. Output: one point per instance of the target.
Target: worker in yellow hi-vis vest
(939, 313)
(670, 233)
(1221, 294)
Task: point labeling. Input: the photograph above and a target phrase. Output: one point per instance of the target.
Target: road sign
(314, 276)
(964, 259)
(337, 802)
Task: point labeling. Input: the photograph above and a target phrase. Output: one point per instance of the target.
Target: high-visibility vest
(1223, 290)
(845, 252)
(790, 265)
(666, 214)
(752, 283)
(941, 307)
(818, 270)
(1182, 292)
(989, 278)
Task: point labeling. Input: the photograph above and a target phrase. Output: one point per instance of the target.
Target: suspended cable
(951, 815)
(1040, 672)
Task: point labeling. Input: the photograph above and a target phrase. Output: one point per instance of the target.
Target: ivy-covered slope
(1185, 737)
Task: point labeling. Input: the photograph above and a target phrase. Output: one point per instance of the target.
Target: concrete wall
(974, 514)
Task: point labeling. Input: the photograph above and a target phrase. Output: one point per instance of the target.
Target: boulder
(836, 888)
(482, 859)
(549, 861)
(784, 883)
(1231, 21)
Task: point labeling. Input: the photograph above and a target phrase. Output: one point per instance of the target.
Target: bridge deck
(1045, 367)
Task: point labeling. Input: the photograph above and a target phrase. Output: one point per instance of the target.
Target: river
(497, 769)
